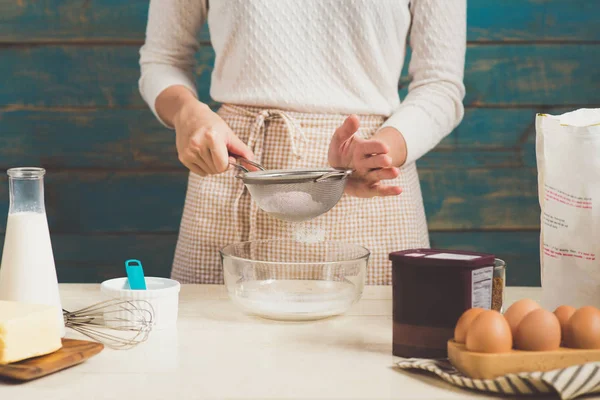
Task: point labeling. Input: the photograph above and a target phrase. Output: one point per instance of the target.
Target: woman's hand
(204, 141)
(370, 159)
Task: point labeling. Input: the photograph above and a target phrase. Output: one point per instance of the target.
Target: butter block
(27, 330)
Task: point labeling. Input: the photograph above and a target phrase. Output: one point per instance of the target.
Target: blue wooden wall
(115, 190)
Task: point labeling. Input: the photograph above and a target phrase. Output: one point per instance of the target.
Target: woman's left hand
(368, 158)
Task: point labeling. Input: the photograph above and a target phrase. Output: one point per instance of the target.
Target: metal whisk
(132, 319)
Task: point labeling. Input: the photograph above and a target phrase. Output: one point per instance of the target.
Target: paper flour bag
(568, 161)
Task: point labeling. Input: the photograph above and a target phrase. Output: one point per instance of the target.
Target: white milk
(27, 272)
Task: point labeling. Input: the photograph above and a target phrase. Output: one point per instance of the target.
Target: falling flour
(305, 234)
(292, 203)
(300, 205)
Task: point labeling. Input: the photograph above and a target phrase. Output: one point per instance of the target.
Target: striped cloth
(568, 383)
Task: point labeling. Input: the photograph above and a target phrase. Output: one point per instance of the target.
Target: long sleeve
(433, 106)
(167, 58)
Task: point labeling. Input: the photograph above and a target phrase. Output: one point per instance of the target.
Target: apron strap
(256, 143)
(256, 139)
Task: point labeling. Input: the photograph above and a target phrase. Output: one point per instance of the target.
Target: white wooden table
(218, 352)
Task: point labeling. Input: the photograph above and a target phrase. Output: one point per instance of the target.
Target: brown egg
(584, 329)
(518, 311)
(564, 313)
(464, 322)
(538, 331)
(489, 333)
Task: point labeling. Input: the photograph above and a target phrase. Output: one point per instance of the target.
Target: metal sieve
(294, 195)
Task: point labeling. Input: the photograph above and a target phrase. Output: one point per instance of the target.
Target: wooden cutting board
(71, 353)
(489, 366)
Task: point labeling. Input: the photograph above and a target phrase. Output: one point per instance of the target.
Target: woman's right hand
(204, 141)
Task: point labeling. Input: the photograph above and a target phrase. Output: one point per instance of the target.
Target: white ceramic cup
(161, 293)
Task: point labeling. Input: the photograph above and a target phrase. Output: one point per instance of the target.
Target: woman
(305, 84)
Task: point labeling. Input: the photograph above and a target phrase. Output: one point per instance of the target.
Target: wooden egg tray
(490, 366)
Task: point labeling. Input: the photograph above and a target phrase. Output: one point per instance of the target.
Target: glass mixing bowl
(291, 280)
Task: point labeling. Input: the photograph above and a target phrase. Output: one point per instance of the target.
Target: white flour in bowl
(296, 299)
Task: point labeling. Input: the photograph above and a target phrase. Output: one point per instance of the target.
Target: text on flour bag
(568, 162)
(27, 270)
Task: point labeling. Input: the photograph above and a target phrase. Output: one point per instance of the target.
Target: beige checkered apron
(218, 209)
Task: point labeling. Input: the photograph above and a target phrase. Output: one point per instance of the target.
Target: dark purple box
(431, 290)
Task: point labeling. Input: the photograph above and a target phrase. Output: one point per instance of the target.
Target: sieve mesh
(297, 202)
(296, 195)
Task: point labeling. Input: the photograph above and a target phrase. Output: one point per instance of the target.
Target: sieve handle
(334, 174)
(241, 167)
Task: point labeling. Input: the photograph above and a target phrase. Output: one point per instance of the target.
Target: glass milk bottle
(27, 271)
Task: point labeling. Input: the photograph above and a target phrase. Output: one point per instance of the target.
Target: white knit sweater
(322, 56)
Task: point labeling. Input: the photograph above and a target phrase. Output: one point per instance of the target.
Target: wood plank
(75, 20)
(449, 158)
(43, 20)
(517, 75)
(106, 76)
(97, 76)
(85, 259)
(504, 198)
(133, 138)
(151, 201)
(67, 20)
(514, 20)
(106, 138)
(519, 249)
(107, 201)
(491, 138)
(539, 74)
(493, 128)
